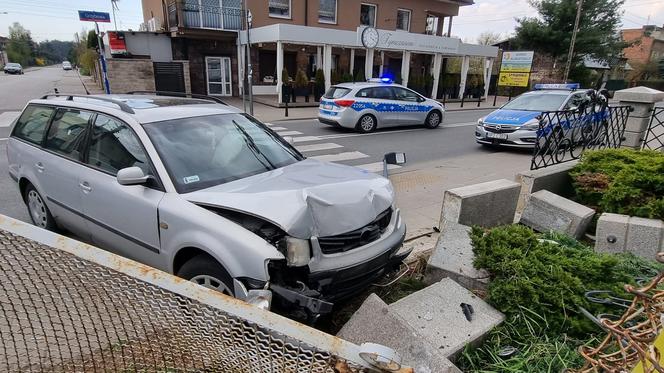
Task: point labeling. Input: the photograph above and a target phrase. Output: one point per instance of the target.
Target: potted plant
(359, 76)
(347, 77)
(319, 88)
(286, 86)
(302, 85)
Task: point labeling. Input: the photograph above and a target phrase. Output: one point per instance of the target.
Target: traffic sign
(91, 16)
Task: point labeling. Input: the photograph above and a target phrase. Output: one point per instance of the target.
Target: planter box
(618, 233)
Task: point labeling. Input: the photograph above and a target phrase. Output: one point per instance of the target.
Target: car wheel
(366, 124)
(37, 209)
(205, 271)
(433, 119)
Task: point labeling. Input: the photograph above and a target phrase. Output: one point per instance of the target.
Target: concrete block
(639, 94)
(435, 313)
(637, 124)
(486, 204)
(639, 110)
(546, 211)
(374, 322)
(453, 257)
(632, 140)
(611, 235)
(554, 178)
(644, 237)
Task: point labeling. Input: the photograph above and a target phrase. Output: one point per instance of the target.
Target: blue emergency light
(565, 86)
(380, 80)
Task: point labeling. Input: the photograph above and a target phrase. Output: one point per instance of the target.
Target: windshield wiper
(251, 144)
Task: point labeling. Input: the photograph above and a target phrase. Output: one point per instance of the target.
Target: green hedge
(622, 181)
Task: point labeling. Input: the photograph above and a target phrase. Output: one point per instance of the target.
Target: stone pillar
(280, 68)
(240, 70)
(319, 58)
(405, 68)
(435, 71)
(368, 64)
(382, 64)
(465, 64)
(327, 66)
(488, 69)
(352, 61)
(642, 100)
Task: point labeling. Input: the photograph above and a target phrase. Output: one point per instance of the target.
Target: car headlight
(531, 127)
(480, 121)
(298, 252)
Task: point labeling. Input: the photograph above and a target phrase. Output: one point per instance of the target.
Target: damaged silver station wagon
(201, 190)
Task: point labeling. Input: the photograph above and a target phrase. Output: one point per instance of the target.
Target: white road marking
(344, 135)
(278, 128)
(289, 133)
(459, 124)
(317, 147)
(305, 139)
(377, 166)
(8, 117)
(268, 124)
(347, 156)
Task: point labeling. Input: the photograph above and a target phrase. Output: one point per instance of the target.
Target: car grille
(499, 128)
(359, 237)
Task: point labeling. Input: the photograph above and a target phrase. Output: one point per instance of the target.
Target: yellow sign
(513, 79)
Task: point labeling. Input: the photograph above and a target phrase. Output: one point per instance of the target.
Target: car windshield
(13, 65)
(201, 152)
(537, 102)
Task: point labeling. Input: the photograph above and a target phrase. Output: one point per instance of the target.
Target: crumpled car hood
(305, 199)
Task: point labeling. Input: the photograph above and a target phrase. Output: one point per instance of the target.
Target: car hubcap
(367, 123)
(37, 209)
(434, 119)
(211, 282)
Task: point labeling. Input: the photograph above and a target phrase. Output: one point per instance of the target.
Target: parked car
(205, 192)
(516, 123)
(66, 65)
(377, 103)
(13, 68)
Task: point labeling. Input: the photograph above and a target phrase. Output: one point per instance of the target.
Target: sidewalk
(268, 113)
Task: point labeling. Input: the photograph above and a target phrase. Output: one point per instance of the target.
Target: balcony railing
(209, 14)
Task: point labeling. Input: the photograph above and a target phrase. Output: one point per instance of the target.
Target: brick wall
(640, 51)
(130, 75)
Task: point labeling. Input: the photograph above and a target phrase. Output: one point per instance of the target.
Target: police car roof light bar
(380, 80)
(563, 86)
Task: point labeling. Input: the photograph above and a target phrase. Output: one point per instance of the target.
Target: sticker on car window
(191, 179)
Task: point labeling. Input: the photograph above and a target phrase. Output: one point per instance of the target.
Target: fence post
(463, 97)
(479, 99)
(495, 96)
(286, 108)
(642, 100)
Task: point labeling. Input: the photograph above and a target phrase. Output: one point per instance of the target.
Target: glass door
(219, 76)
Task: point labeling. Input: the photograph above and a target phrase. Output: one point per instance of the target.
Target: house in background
(3, 53)
(646, 51)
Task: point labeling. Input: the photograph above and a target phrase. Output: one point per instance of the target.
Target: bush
(301, 80)
(320, 79)
(622, 181)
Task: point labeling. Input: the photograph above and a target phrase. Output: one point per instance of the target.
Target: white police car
(377, 103)
(516, 123)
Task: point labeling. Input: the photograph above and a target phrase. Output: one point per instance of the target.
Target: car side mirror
(132, 176)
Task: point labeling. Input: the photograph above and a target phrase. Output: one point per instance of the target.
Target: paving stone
(644, 237)
(611, 234)
(486, 204)
(435, 313)
(374, 322)
(453, 257)
(546, 211)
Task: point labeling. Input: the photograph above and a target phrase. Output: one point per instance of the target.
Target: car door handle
(85, 186)
(39, 166)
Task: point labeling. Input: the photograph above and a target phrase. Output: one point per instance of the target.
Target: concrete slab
(644, 237)
(639, 94)
(374, 322)
(435, 313)
(554, 178)
(453, 257)
(611, 235)
(546, 211)
(486, 204)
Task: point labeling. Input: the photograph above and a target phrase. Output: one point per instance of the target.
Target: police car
(516, 123)
(377, 103)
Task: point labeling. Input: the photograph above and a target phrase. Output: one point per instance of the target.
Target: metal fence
(655, 135)
(564, 135)
(70, 307)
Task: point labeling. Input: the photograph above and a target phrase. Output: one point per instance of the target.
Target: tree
(20, 47)
(598, 36)
(489, 38)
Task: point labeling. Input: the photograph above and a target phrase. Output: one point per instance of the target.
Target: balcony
(205, 14)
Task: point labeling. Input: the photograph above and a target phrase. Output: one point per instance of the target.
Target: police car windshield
(336, 92)
(541, 101)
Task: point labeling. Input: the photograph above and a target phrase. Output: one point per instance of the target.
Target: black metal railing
(654, 138)
(564, 135)
(209, 14)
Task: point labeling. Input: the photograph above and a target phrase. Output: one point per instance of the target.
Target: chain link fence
(69, 307)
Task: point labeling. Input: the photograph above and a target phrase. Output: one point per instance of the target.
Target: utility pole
(248, 21)
(113, 6)
(570, 54)
(102, 59)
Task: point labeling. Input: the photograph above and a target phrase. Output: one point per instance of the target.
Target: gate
(655, 135)
(563, 136)
(69, 307)
(169, 77)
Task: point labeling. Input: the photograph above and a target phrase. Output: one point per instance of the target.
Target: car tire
(37, 209)
(366, 124)
(434, 119)
(207, 272)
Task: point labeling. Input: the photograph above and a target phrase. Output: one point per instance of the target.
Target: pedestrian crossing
(316, 147)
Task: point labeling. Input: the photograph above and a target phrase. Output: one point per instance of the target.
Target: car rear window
(31, 126)
(336, 92)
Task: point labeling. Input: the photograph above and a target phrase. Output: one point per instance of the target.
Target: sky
(58, 19)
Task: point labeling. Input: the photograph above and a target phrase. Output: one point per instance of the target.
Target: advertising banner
(515, 68)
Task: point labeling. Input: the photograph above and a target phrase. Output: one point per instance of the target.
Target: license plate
(491, 135)
(327, 107)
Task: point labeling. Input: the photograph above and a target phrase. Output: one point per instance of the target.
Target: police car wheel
(433, 119)
(366, 124)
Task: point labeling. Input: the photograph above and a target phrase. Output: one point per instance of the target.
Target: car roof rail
(123, 105)
(180, 94)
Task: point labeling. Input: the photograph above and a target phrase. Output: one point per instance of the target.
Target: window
(432, 25)
(403, 19)
(380, 93)
(403, 94)
(537, 102)
(280, 8)
(31, 126)
(114, 146)
(327, 11)
(336, 92)
(368, 15)
(67, 132)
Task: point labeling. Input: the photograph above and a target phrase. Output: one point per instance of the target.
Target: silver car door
(412, 111)
(122, 219)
